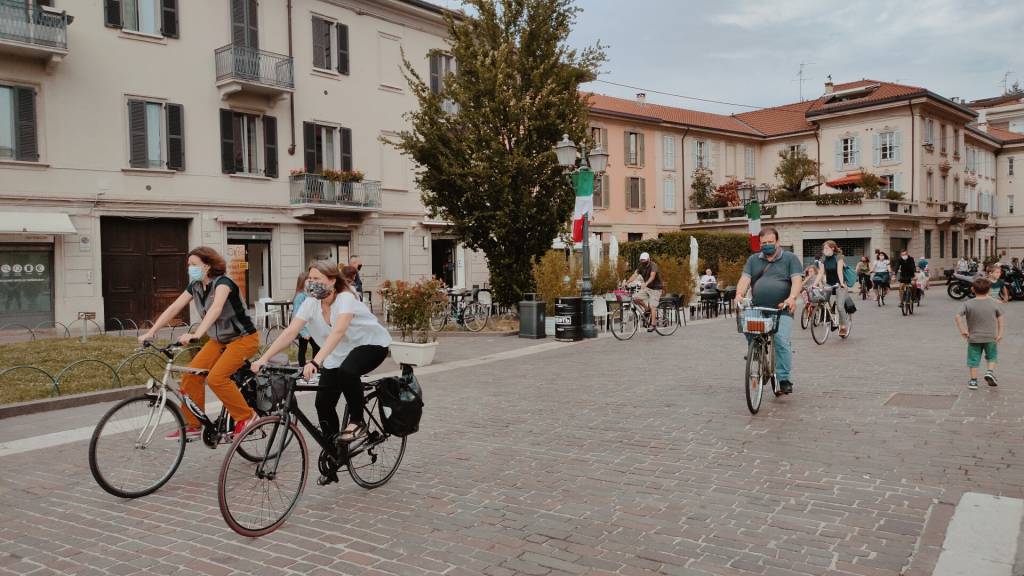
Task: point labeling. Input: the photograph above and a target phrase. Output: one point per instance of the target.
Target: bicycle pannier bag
(401, 404)
(849, 305)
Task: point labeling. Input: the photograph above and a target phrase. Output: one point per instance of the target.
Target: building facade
(952, 168)
(133, 130)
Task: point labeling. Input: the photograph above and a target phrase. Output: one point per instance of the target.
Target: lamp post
(583, 183)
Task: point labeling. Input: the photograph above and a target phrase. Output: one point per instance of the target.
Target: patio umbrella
(694, 250)
(595, 253)
(613, 251)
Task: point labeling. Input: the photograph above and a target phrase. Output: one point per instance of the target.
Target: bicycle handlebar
(169, 349)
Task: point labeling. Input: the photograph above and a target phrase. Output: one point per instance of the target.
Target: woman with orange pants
(233, 337)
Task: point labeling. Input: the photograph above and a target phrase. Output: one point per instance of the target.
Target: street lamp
(583, 177)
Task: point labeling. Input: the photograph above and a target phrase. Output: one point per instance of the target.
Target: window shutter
(604, 140)
(625, 153)
(856, 150)
(25, 138)
(270, 146)
(876, 141)
(238, 22)
(898, 145)
(897, 182)
(606, 191)
(628, 194)
(343, 49)
(227, 142)
(175, 137)
(803, 149)
(346, 149)
(112, 13)
(839, 155)
(640, 149)
(643, 194)
(435, 73)
(137, 134)
(320, 52)
(309, 146)
(169, 25)
(252, 24)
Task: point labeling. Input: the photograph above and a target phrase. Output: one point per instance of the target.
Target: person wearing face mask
(864, 276)
(775, 279)
(352, 343)
(233, 337)
(831, 277)
(905, 270)
(881, 275)
(357, 263)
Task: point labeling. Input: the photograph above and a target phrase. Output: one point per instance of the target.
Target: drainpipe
(291, 97)
(682, 168)
(817, 138)
(913, 149)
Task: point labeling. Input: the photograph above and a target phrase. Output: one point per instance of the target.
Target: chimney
(954, 99)
(641, 97)
(829, 86)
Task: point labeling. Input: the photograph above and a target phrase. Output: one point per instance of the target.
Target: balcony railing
(977, 220)
(314, 189)
(32, 25)
(867, 207)
(245, 64)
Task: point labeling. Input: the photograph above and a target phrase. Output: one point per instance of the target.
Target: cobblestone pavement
(604, 457)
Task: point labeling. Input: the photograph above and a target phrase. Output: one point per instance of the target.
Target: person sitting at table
(708, 280)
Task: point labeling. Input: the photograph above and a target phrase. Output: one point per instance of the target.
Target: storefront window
(26, 284)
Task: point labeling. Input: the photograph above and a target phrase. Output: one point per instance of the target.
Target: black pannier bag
(401, 403)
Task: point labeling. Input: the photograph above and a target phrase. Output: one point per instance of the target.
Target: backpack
(401, 403)
(849, 276)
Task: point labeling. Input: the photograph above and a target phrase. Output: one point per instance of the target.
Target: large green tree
(484, 141)
(797, 175)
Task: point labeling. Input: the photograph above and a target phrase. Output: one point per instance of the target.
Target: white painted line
(982, 537)
(84, 433)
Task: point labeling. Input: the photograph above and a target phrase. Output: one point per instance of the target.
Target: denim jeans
(783, 347)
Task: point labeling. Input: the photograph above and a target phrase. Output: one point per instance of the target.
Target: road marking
(981, 539)
(84, 433)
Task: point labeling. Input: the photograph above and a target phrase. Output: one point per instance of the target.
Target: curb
(464, 334)
(69, 401)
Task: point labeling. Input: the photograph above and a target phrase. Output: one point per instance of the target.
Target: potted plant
(350, 176)
(410, 305)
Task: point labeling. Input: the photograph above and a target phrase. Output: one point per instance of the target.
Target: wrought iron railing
(317, 190)
(32, 25)
(235, 62)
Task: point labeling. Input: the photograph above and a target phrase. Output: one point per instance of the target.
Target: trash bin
(569, 319)
(531, 317)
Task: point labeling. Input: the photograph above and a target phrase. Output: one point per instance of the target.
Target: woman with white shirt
(352, 343)
(882, 274)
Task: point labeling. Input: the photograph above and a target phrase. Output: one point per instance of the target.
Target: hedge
(713, 247)
(839, 199)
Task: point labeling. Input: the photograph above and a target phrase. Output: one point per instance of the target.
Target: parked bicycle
(760, 326)
(464, 308)
(132, 452)
(256, 495)
(825, 317)
(629, 316)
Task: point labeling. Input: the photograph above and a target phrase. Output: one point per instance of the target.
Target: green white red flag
(754, 225)
(583, 182)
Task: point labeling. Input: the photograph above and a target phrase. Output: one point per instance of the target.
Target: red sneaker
(241, 426)
(191, 433)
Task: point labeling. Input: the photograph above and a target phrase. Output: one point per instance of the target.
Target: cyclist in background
(905, 270)
(650, 290)
(830, 275)
(881, 276)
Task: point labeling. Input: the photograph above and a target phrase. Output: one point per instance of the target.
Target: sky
(749, 52)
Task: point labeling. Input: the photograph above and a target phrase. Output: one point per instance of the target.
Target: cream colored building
(132, 130)
(952, 169)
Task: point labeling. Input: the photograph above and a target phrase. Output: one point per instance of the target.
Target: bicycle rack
(32, 334)
(131, 360)
(120, 325)
(55, 390)
(115, 380)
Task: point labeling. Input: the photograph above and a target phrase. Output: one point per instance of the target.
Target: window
(668, 202)
(956, 191)
(440, 66)
(18, 138)
(887, 146)
(599, 136)
(1009, 203)
(956, 141)
(248, 142)
(942, 243)
(748, 156)
(927, 243)
(849, 151)
(929, 131)
(954, 245)
(668, 147)
(701, 154)
(930, 181)
(942, 138)
(1009, 166)
(601, 191)
(156, 17)
(151, 127)
(326, 147)
(634, 236)
(634, 149)
(635, 193)
(887, 183)
(942, 188)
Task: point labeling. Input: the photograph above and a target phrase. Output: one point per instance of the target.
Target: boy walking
(981, 323)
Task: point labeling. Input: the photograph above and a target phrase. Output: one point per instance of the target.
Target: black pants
(303, 343)
(345, 380)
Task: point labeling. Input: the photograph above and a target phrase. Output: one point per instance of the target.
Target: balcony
(800, 210)
(245, 70)
(957, 212)
(976, 220)
(33, 32)
(314, 192)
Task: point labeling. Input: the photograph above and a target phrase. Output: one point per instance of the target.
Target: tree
(727, 195)
(870, 184)
(483, 142)
(794, 172)
(1016, 89)
(702, 189)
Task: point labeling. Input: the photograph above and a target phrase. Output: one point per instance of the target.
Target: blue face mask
(768, 249)
(195, 273)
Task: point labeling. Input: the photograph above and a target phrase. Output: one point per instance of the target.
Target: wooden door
(143, 267)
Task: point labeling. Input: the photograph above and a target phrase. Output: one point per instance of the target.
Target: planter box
(413, 354)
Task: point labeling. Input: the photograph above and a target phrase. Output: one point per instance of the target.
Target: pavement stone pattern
(601, 458)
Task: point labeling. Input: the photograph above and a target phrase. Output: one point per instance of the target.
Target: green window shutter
(26, 140)
(138, 157)
(175, 137)
(169, 18)
(343, 67)
(270, 146)
(227, 142)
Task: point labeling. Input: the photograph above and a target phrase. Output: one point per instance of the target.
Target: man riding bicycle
(905, 270)
(650, 291)
(775, 280)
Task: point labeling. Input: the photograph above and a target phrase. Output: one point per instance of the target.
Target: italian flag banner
(583, 182)
(754, 225)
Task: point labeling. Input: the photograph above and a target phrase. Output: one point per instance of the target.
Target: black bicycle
(256, 497)
(760, 326)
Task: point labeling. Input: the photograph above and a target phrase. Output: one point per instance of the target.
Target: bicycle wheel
(439, 317)
(256, 499)
(753, 383)
(667, 319)
(910, 302)
(819, 324)
(129, 455)
(903, 303)
(475, 316)
(805, 316)
(624, 323)
(374, 459)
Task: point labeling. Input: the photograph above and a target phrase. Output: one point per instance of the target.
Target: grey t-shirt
(776, 278)
(645, 273)
(981, 314)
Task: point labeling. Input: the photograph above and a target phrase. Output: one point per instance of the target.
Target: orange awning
(851, 179)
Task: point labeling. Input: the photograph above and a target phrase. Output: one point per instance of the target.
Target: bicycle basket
(758, 320)
(401, 404)
(819, 295)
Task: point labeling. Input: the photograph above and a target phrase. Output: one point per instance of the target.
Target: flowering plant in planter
(297, 172)
(410, 305)
(350, 176)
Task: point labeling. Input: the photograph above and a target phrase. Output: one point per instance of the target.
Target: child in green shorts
(981, 323)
